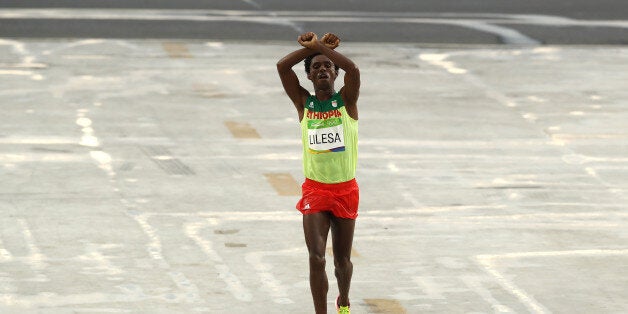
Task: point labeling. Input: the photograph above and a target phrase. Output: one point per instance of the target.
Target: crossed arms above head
(326, 45)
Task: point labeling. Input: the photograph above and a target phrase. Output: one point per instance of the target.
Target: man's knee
(342, 262)
(317, 260)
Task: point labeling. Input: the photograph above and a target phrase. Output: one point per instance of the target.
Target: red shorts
(341, 199)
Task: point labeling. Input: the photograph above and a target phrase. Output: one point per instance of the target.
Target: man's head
(320, 70)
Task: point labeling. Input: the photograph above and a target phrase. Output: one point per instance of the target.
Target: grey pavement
(161, 176)
(530, 22)
(578, 9)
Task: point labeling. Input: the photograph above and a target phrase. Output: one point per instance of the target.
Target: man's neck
(324, 94)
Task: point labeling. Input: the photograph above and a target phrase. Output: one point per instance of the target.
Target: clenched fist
(308, 40)
(330, 40)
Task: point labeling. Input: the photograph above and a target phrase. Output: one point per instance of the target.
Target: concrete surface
(153, 177)
(564, 22)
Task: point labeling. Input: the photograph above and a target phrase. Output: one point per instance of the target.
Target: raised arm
(351, 90)
(289, 79)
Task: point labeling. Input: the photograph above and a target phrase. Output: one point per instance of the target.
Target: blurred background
(432, 21)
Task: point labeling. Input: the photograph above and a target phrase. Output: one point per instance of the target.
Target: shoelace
(343, 310)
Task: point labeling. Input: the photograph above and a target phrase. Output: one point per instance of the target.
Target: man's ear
(309, 76)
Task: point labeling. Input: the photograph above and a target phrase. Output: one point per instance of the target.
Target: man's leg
(316, 228)
(342, 240)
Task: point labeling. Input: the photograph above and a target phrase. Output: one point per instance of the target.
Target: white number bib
(326, 135)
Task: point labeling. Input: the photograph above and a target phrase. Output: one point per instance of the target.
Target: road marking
(273, 286)
(102, 263)
(241, 130)
(176, 50)
(89, 139)
(154, 245)
(572, 137)
(27, 60)
(41, 140)
(154, 249)
(16, 72)
(385, 306)
(49, 157)
(475, 283)
(593, 252)
(284, 184)
(439, 59)
(209, 91)
(527, 300)
(36, 259)
(489, 261)
(234, 285)
(507, 35)
(392, 167)
(5, 255)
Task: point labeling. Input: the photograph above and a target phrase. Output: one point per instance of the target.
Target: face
(322, 71)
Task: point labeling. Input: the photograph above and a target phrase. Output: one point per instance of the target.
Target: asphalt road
(571, 22)
(161, 175)
(150, 176)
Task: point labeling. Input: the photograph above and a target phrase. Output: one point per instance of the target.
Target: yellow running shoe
(343, 309)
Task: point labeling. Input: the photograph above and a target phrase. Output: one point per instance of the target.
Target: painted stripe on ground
(385, 306)
(284, 184)
(209, 90)
(570, 137)
(176, 50)
(241, 129)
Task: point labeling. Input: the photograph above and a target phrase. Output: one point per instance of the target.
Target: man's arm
(289, 79)
(351, 91)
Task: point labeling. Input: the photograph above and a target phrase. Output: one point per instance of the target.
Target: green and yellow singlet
(330, 141)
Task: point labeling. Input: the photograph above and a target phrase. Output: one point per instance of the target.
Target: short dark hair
(308, 62)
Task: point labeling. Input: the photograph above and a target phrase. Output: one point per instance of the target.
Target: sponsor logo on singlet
(325, 132)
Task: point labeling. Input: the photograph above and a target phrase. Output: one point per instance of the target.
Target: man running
(329, 124)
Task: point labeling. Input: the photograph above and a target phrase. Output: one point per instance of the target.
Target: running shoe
(342, 309)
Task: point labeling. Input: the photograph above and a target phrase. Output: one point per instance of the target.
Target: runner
(329, 124)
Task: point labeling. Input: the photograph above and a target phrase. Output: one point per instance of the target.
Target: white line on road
(475, 283)
(234, 284)
(27, 60)
(593, 252)
(88, 139)
(532, 304)
(35, 258)
(154, 248)
(5, 255)
(274, 287)
(489, 263)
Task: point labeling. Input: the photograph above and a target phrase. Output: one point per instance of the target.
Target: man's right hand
(308, 40)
